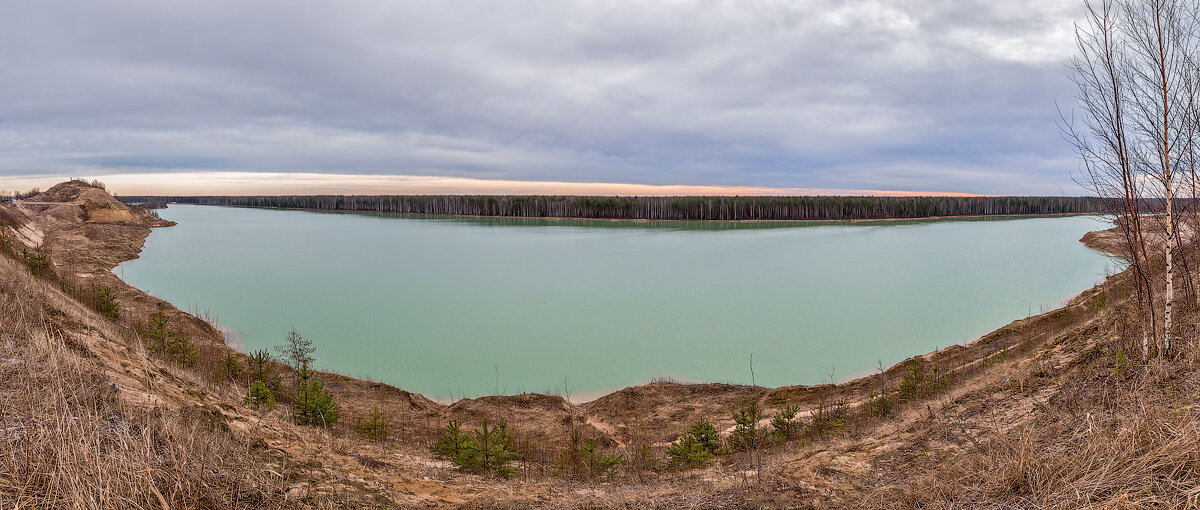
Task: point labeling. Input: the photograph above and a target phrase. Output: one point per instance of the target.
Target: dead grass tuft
(68, 438)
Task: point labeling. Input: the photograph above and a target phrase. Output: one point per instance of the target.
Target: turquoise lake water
(453, 307)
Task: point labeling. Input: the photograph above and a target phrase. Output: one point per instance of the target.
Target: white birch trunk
(1170, 272)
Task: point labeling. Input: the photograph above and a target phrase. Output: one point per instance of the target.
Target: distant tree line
(664, 208)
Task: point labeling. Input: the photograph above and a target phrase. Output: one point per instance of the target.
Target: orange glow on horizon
(261, 183)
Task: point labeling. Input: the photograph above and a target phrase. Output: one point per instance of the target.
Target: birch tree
(1102, 141)
(1136, 76)
(1162, 42)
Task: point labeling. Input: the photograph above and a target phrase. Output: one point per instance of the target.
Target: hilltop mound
(82, 201)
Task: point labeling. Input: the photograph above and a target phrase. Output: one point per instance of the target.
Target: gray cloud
(947, 95)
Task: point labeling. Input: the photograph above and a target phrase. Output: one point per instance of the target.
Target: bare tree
(1162, 42)
(1102, 142)
(296, 351)
(1136, 78)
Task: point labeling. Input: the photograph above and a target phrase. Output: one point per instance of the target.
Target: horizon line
(214, 183)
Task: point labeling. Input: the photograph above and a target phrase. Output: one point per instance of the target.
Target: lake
(452, 307)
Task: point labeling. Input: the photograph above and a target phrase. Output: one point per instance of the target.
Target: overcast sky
(930, 95)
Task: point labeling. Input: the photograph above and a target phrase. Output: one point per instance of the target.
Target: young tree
(1162, 38)
(784, 424)
(313, 404)
(374, 426)
(166, 341)
(748, 435)
(259, 369)
(258, 395)
(296, 350)
(697, 446)
(1136, 80)
(232, 367)
(489, 450)
(585, 458)
(452, 443)
(106, 303)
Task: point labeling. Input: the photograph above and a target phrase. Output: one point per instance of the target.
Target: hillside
(1054, 410)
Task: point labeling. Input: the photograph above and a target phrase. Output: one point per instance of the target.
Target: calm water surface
(453, 307)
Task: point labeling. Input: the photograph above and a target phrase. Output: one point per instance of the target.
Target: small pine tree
(488, 450)
(260, 369)
(259, 395)
(37, 262)
(313, 404)
(784, 424)
(697, 446)
(184, 352)
(375, 426)
(706, 435)
(913, 383)
(881, 406)
(747, 435)
(584, 458)
(106, 303)
(451, 443)
(232, 367)
(492, 451)
(828, 418)
(164, 340)
(643, 459)
(689, 451)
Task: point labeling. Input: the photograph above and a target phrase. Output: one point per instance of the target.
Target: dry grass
(69, 440)
(1109, 432)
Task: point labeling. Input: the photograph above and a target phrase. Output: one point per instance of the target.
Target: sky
(553, 96)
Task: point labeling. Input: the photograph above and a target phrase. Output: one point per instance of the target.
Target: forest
(727, 208)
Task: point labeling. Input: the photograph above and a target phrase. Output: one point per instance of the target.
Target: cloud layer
(954, 95)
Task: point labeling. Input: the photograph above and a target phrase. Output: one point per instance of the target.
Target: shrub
(375, 426)
(106, 303)
(259, 395)
(488, 450)
(784, 424)
(166, 341)
(697, 446)
(584, 459)
(313, 404)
